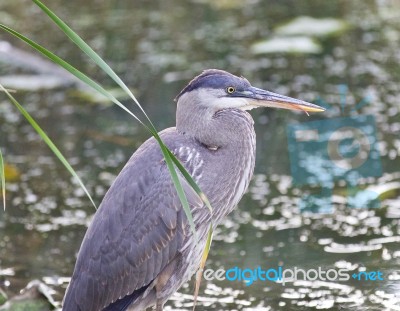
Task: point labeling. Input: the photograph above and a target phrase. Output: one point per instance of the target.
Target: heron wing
(138, 229)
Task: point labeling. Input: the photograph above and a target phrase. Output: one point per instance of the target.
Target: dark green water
(156, 47)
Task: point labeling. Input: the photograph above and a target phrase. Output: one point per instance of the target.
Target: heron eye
(230, 89)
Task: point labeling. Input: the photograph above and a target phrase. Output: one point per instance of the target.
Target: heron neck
(214, 128)
(231, 164)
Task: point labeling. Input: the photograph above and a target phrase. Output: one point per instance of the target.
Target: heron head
(218, 89)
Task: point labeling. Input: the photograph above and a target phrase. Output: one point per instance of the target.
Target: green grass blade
(190, 180)
(108, 70)
(199, 273)
(81, 76)
(90, 52)
(48, 141)
(97, 59)
(178, 186)
(3, 180)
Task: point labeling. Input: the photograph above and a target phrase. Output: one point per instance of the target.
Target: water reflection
(157, 46)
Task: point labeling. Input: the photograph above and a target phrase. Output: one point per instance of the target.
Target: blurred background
(329, 52)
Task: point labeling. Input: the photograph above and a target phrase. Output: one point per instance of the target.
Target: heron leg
(159, 305)
(161, 281)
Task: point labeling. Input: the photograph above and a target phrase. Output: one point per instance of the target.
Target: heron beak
(263, 98)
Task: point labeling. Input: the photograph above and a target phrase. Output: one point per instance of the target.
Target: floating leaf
(33, 82)
(296, 45)
(317, 27)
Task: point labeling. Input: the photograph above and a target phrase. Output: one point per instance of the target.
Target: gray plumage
(139, 248)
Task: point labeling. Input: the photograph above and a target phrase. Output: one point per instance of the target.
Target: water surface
(157, 47)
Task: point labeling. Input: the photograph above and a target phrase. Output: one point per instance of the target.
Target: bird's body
(139, 248)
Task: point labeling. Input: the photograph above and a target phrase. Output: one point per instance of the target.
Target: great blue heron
(139, 248)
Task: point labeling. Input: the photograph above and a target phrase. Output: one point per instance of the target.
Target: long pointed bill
(262, 98)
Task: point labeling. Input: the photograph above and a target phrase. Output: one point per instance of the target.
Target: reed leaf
(199, 273)
(108, 70)
(171, 161)
(48, 141)
(78, 74)
(3, 180)
(88, 81)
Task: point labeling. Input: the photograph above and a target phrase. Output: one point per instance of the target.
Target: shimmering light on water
(156, 48)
